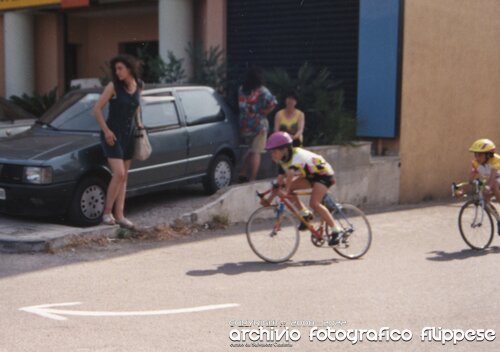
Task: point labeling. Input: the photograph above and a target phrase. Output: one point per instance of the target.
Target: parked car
(58, 167)
(13, 119)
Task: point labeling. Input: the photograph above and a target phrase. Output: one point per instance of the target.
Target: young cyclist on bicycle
(302, 169)
(486, 167)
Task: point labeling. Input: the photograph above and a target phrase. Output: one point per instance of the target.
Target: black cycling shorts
(328, 181)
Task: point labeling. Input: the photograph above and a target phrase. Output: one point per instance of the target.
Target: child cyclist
(486, 166)
(302, 169)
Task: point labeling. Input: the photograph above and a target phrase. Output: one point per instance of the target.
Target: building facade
(422, 75)
(450, 91)
(44, 44)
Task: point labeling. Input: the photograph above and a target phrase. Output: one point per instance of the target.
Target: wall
(98, 37)
(361, 180)
(19, 29)
(2, 59)
(49, 63)
(212, 23)
(451, 80)
(176, 25)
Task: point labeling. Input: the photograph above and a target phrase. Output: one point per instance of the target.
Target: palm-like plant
(36, 104)
(209, 66)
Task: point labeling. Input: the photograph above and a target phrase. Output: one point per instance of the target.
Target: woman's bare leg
(116, 184)
(120, 199)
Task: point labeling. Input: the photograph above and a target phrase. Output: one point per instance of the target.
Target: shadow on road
(442, 256)
(259, 266)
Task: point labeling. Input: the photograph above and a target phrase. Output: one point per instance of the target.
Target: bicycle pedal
(302, 227)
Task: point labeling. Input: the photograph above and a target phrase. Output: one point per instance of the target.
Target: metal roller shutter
(287, 33)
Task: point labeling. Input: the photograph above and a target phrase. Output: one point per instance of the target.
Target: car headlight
(37, 175)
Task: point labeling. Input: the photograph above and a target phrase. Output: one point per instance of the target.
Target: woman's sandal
(108, 219)
(126, 223)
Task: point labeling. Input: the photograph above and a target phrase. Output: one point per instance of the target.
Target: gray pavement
(418, 274)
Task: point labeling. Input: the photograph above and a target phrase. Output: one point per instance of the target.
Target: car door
(206, 126)
(168, 140)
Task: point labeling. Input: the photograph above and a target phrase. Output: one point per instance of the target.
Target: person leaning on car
(118, 132)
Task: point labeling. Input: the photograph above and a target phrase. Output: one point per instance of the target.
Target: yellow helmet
(482, 146)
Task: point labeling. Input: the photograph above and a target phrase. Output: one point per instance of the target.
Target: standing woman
(118, 132)
(291, 120)
(255, 103)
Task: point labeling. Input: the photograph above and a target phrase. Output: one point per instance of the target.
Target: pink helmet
(278, 140)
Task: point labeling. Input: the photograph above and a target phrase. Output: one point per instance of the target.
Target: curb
(236, 204)
(52, 240)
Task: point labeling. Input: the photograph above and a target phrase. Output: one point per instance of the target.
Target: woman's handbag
(143, 148)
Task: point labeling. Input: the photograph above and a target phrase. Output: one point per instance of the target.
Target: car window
(200, 107)
(159, 113)
(75, 113)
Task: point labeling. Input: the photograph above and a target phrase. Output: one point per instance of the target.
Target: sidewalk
(24, 235)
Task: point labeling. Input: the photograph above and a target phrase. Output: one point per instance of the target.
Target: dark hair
(292, 94)
(130, 62)
(253, 79)
(288, 157)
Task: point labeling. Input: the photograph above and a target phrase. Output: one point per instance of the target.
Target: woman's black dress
(121, 120)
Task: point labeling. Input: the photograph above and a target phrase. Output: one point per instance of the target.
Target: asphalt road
(417, 274)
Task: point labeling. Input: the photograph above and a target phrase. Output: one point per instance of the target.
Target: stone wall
(361, 180)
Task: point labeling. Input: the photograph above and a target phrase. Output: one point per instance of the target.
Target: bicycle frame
(285, 200)
(479, 196)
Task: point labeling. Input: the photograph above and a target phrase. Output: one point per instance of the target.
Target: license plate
(3, 196)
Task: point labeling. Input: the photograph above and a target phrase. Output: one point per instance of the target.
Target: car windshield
(74, 113)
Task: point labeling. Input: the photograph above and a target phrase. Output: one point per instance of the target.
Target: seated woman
(291, 120)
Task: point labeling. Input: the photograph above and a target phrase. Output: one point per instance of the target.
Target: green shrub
(321, 98)
(105, 77)
(173, 70)
(37, 104)
(209, 67)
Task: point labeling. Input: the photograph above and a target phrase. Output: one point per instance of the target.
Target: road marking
(47, 311)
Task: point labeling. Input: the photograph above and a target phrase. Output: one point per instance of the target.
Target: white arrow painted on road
(47, 311)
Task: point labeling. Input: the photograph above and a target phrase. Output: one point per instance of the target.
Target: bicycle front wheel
(476, 225)
(272, 235)
(356, 231)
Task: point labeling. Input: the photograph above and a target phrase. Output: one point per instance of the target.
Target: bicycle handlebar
(476, 182)
(274, 187)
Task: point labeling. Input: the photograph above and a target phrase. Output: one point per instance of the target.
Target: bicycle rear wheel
(274, 237)
(356, 231)
(476, 225)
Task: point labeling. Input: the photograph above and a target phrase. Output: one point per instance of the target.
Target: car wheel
(87, 205)
(220, 174)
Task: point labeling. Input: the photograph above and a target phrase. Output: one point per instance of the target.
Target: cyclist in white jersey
(302, 169)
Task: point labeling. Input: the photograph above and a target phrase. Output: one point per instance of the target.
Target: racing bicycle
(273, 234)
(475, 219)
